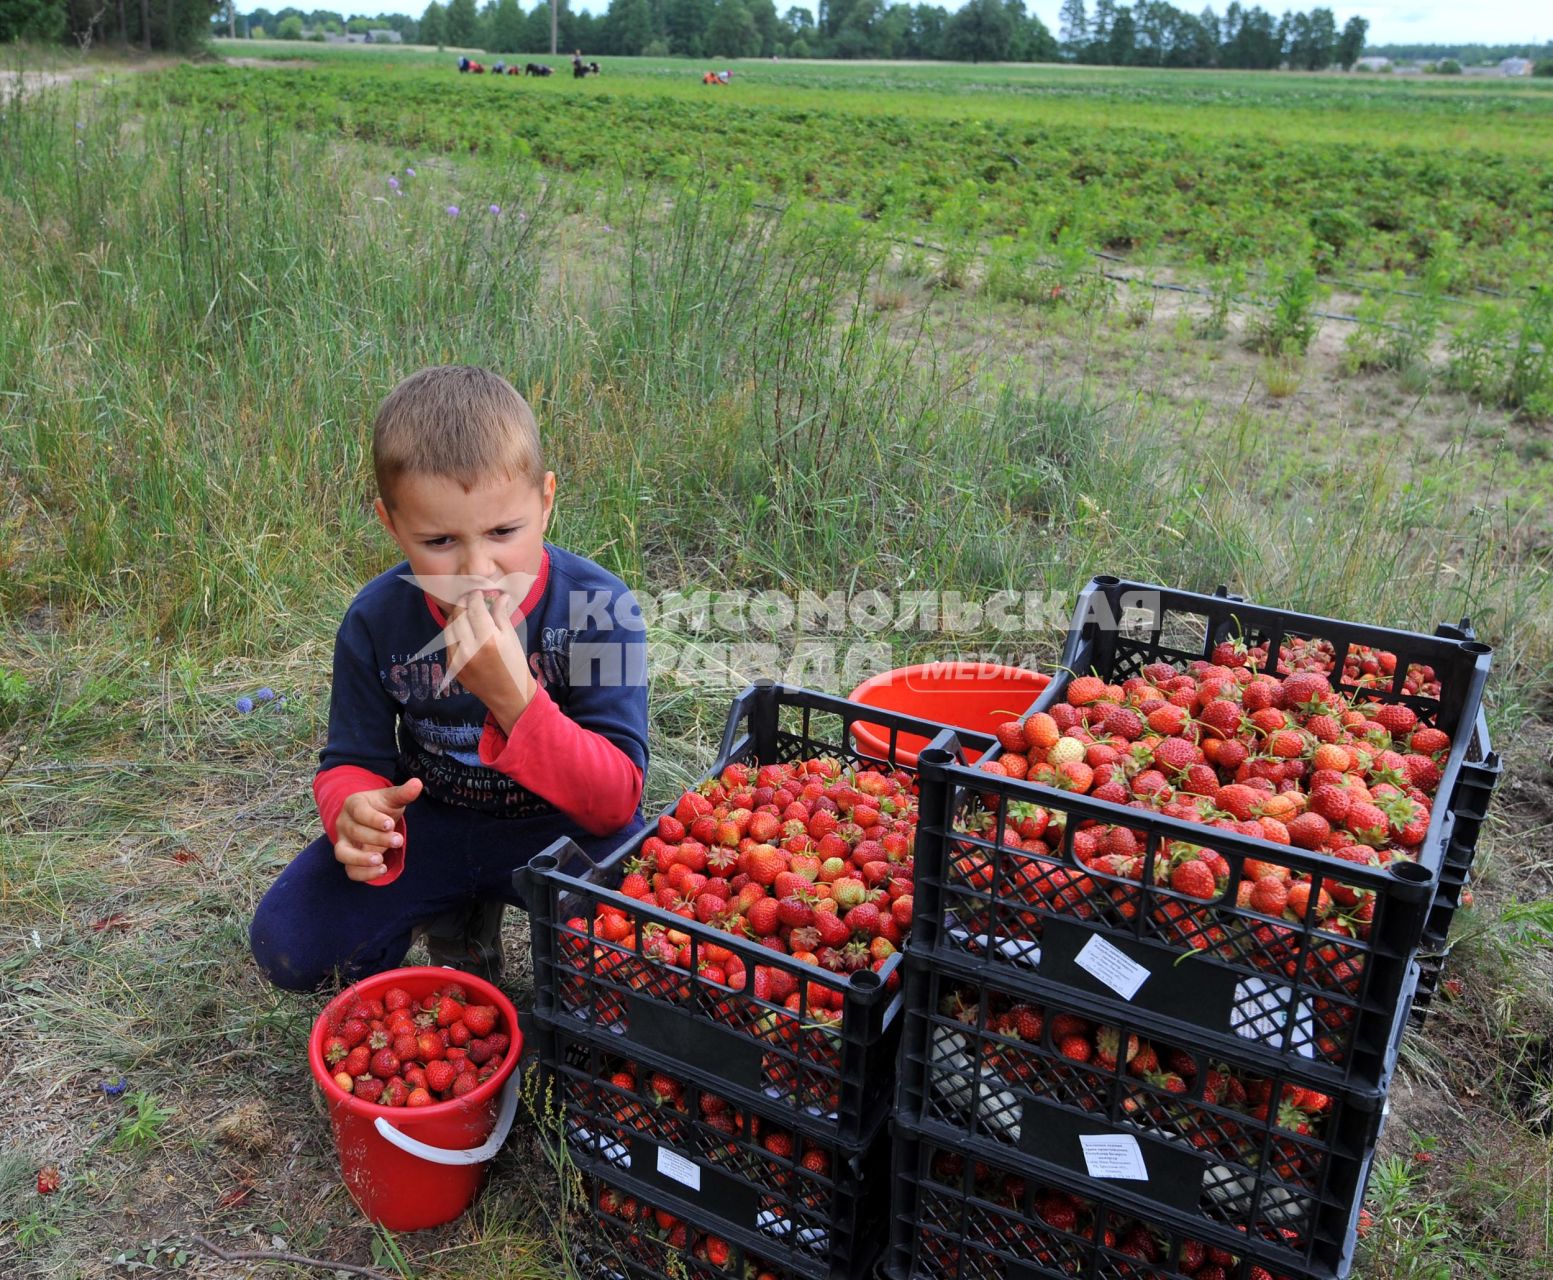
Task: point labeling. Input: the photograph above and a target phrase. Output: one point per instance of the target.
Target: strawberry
(779, 1143)
(1238, 800)
(1175, 755)
(863, 919)
(1064, 751)
(1422, 772)
(764, 916)
(1308, 830)
(1331, 802)
(440, 1076)
(48, 1180)
(1168, 719)
(1397, 719)
(1195, 879)
(1011, 736)
(1041, 732)
(1368, 823)
(1084, 690)
(1269, 895)
(763, 863)
(794, 912)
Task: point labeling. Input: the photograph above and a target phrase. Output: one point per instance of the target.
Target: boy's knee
(280, 953)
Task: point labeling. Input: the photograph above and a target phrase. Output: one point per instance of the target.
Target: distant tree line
(1151, 33)
(150, 24)
(1466, 54)
(1148, 33)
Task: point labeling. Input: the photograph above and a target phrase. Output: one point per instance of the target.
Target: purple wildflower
(409, 173)
(452, 211)
(607, 227)
(393, 184)
(114, 1087)
(244, 706)
(265, 694)
(496, 211)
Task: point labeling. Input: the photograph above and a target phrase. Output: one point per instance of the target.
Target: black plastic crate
(1035, 1084)
(1208, 965)
(833, 1070)
(1200, 971)
(1480, 774)
(811, 1207)
(957, 1217)
(626, 1238)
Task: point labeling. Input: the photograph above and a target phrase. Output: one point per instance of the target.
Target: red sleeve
(332, 787)
(582, 773)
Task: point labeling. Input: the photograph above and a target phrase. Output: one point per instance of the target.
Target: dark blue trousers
(315, 925)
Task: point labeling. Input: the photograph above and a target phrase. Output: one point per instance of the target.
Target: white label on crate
(1115, 968)
(1261, 1013)
(1114, 1156)
(685, 1172)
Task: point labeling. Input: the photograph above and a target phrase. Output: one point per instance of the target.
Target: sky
(1391, 21)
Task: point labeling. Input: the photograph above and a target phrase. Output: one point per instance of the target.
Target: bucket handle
(473, 1155)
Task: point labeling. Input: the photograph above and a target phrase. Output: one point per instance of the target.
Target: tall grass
(204, 314)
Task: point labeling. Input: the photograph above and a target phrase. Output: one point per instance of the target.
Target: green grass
(203, 311)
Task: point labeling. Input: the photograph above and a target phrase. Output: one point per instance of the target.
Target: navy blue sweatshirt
(575, 762)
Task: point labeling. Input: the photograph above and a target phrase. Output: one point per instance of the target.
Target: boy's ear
(547, 496)
(386, 520)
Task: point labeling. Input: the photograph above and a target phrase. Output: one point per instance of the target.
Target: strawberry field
(1221, 167)
(986, 334)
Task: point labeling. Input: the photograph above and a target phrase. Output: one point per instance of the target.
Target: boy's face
(490, 538)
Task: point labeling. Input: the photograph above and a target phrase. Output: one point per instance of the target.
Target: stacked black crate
(728, 1111)
(1099, 1071)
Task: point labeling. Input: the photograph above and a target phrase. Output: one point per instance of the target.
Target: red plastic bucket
(415, 1167)
(967, 695)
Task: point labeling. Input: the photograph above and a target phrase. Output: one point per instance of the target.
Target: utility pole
(553, 4)
(231, 16)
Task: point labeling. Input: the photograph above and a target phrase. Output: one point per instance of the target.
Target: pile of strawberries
(1073, 1059)
(1043, 1223)
(1286, 760)
(401, 1052)
(812, 860)
(660, 1239)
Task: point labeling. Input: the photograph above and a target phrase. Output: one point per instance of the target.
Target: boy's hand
(485, 654)
(366, 828)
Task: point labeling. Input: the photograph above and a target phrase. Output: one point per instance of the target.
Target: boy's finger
(361, 874)
(353, 856)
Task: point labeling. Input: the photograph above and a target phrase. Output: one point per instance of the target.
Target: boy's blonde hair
(456, 421)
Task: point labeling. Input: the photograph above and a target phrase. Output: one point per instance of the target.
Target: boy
(489, 696)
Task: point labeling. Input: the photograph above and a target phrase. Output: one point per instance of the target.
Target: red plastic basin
(965, 695)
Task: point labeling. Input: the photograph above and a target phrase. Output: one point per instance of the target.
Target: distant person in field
(489, 697)
(577, 68)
